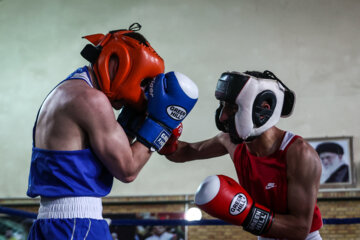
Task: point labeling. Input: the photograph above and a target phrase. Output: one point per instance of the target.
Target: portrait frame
(328, 147)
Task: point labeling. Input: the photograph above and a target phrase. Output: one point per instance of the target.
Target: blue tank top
(68, 173)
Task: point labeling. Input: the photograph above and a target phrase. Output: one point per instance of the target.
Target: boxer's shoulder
(300, 149)
(75, 99)
(224, 139)
(302, 159)
(78, 91)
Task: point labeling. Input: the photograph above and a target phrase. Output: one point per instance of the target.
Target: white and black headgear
(248, 91)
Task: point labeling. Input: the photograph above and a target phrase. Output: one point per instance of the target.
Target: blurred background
(312, 46)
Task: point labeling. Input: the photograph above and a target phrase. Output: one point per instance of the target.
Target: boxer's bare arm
(75, 115)
(108, 140)
(214, 147)
(303, 172)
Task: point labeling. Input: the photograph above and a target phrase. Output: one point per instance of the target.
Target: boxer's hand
(171, 145)
(170, 99)
(130, 120)
(222, 197)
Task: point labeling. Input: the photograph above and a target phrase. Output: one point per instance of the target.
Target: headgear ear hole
(260, 114)
(113, 66)
(102, 67)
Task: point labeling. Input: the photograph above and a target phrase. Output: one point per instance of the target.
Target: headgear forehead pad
(137, 61)
(249, 92)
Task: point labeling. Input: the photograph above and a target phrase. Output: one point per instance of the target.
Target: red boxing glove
(171, 144)
(222, 197)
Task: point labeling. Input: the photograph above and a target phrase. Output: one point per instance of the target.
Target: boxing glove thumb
(171, 145)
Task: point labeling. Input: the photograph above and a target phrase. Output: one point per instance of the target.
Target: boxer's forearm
(289, 227)
(183, 153)
(200, 150)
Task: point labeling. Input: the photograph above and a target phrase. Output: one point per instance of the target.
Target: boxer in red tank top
(278, 172)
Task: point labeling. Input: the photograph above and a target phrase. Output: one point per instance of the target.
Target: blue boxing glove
(171, 97)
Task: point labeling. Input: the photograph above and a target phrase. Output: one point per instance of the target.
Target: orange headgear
(137, 61)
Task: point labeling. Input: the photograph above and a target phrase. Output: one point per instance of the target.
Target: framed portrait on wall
(337, 161)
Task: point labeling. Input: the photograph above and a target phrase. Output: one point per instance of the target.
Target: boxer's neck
(93, 78)
(267, 143)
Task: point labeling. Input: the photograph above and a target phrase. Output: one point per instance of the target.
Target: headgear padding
(137, 61)
(249, 93)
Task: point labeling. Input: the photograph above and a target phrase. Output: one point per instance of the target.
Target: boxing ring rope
(152, 222)
(18, 213)
(169, 222)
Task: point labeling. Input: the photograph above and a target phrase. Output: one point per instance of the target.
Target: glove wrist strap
(258, 221)
(153, 134)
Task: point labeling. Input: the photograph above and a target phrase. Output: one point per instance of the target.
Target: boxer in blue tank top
(69, 177)
(78, 144)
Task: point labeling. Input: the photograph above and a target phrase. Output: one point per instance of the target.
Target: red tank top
(264, 178)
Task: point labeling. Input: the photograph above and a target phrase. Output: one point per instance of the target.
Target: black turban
(329, 147)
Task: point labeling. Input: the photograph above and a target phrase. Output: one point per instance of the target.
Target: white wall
(312, 45)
